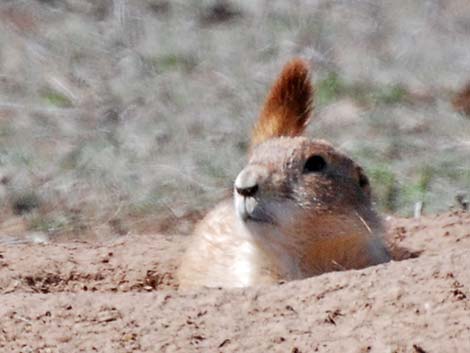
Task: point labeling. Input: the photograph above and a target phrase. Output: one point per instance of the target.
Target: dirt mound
(120, 296)
(136, 263)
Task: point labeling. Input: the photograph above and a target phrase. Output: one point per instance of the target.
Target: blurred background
(133, 116)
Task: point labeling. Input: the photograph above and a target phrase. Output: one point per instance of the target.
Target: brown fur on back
(288, 106)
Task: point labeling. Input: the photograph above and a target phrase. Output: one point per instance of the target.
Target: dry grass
(125, 116)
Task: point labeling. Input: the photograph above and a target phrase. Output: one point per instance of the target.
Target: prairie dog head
(291, 182)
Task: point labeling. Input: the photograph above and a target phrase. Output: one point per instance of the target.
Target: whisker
(364, 222)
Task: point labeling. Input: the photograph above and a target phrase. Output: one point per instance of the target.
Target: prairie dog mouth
(250, 210)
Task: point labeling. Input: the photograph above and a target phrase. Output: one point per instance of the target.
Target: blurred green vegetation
(164, 97)
(334, 87)
(173, 61)
(56, 99)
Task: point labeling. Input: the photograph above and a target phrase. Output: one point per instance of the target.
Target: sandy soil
(120, 296)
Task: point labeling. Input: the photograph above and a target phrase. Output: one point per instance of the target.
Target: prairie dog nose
(249, 179)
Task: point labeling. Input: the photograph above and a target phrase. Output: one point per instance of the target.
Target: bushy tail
(287, 108)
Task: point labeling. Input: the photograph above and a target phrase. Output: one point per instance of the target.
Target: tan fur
(286, 221)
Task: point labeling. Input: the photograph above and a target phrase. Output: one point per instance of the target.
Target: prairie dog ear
(287, 108)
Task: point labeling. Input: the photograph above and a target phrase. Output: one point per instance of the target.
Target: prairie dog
(300, 207)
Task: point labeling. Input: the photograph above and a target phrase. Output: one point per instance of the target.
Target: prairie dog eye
(314, 164)
(363, 181)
